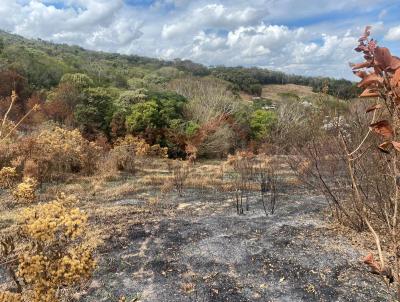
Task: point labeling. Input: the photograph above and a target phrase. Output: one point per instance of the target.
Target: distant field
(272, 91)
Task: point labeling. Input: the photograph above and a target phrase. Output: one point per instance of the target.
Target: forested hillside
(43, 64)
(178, 104)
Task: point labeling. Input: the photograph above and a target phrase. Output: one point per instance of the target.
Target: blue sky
(310, 37)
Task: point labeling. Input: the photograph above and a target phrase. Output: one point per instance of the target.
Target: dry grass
(273, 91)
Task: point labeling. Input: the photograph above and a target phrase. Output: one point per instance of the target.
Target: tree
(95, 111)
(61, 102)
(143, 116)
(261, 123)
(79, 80)
(131, 97)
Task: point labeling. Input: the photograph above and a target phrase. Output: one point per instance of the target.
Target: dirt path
(205, 252)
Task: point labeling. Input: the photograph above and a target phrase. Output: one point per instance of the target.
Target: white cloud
(213, 32)
(215, 16)
(277, 47)
(94, 24)
(393, 34)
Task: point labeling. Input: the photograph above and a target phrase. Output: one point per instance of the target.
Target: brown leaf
(395, 63)
(396, 145)
(384, 147)
(383, 57)
(395, 79)
(372, 263)
(360, 73)
(371, 78)
(360, 65)
(372, 108)
(369, 93)
(383, 128)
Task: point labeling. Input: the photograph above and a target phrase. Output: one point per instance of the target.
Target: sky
(306, 37)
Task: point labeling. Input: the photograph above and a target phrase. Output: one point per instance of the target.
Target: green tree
(131, 97)
(261, 123)
(143, 116)
(95, 111)
(79, 80)
(191, 128)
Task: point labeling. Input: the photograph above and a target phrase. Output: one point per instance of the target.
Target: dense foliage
(251, 80)
(44, 64)
(187, 107)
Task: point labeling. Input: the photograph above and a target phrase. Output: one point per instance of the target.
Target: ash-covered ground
(203, 251)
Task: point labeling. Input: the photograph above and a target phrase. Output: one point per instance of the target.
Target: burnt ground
(204, 251)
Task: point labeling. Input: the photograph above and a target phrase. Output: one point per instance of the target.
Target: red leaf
(371, 78)
(383, 128)
(375, 107)
(383, 57)
(372, 263)
(369, 93)
(396, 145)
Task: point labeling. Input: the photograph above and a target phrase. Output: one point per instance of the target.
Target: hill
(43, 64)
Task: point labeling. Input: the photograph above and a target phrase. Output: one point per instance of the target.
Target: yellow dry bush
(141, 148)
(10, 297)
(46, 221)
(58, 151)
(8, 176)
(26, 190)
(158, 151)
(138, 145)
(57, 254)
(126, 150)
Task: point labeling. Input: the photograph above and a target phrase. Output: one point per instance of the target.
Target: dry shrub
(358, 171)
(10, 297)
(31, 169)
(58, 151)
(128, 150)
(242, 163)
(8, 177)
(167, 187)
(51, 153)
(49, 251)
(266, 171)
(7, 152)
(180, 171)
(26, 191)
